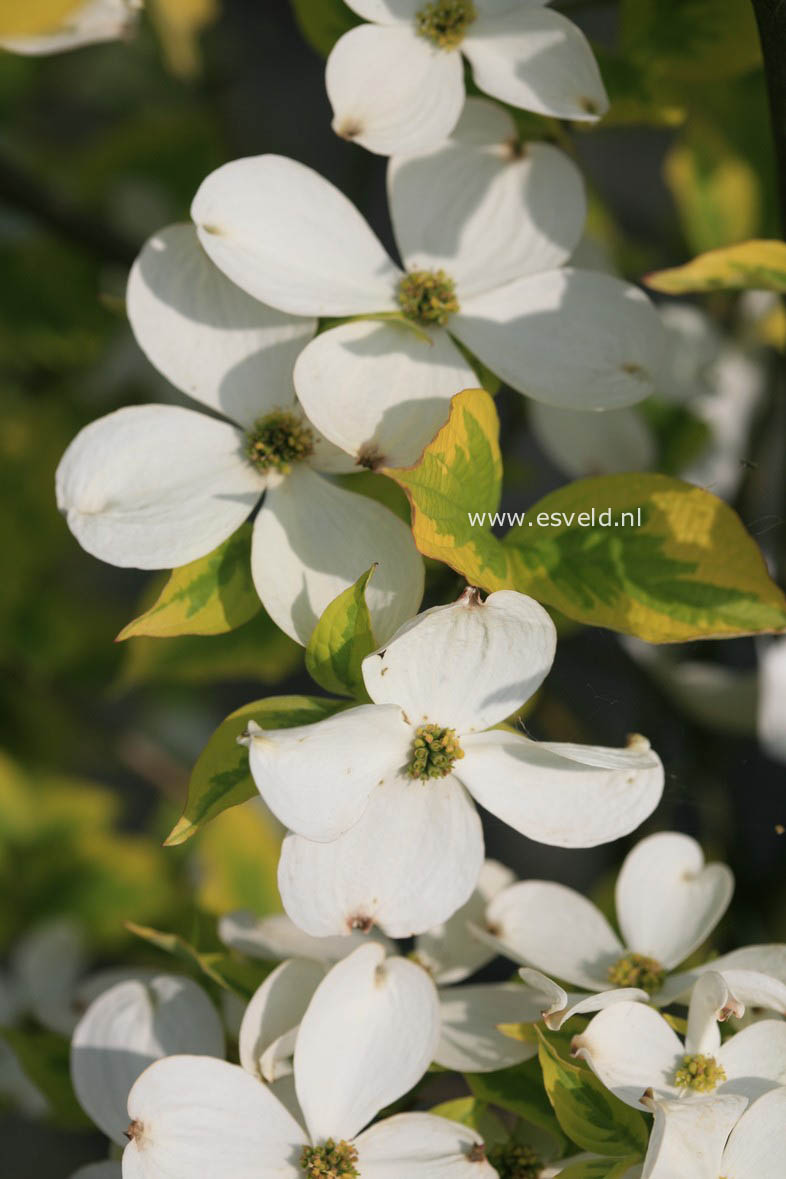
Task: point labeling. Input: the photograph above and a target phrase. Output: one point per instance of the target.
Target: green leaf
(208, 597)
(468, 1111)
(227, 971)
(754, 265)
(590, 1114)
(341, 641)
(43, 1057)
(600, 1168)
(322, 22)
(519, 1090)
(221, 777)
(644, 554)
(690, 40)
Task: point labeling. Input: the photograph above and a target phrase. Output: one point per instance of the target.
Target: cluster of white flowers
(384, 840)
(345, 1026)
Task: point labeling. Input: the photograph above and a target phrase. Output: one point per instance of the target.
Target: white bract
(128, 1027)
(87, 24)
(632, 1049)
(469, 1015)
(668, 902)
(366, 1038)
(398, 84)
(483, 229)
(157, 486)
(714, 1138)
(378, 798)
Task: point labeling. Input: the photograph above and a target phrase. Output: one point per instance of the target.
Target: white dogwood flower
(483, 228)
(86, 24)
(378, 798)
(397, 84)
(157, 486)
(469, 1041)
(668, 901)
(718, 1137)
(632, 1049)
(128, 1027)
(366, 1038)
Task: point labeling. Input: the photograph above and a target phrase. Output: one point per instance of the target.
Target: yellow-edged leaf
(221, 777)
(754, 265)
(341, 640)
(207, 597)
(587, 1111)
(460, 472)
(678, 564)
(645, 554)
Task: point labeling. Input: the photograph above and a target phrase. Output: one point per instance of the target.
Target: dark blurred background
(98, 149)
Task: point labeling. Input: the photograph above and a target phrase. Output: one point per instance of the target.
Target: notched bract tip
(471, 596)
(637, 743)
(347, 128)
(252, 731)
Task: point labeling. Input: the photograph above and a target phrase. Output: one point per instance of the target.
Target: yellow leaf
(754, 265)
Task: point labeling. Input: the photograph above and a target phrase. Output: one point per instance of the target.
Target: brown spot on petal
(360, 922)
(370, 457)
(477, 1153)
(134, 1131)
(588, 104)
(633, 370)
(348, 129)
(514, 149)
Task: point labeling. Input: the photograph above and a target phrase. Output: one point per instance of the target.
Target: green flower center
(277, 441)
(637, 970)
(445, 22)
(427, 296)
(513, 1161)
(702, 1073)
(331, 1160)
(434, 752)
